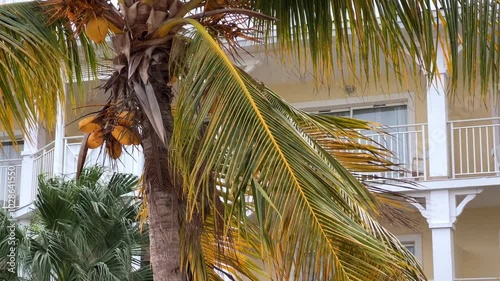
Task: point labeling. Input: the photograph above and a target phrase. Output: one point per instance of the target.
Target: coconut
(95, 139)
(97, 29)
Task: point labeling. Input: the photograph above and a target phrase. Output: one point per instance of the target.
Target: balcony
(474, 149)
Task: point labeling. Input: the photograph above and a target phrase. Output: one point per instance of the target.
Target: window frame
(363, 102)
(20, 144)
(344, 104)
(416, 240)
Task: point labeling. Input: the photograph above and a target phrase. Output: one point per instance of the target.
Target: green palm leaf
(85, 230)
(36, 59)
(366, 35)
(316, 208)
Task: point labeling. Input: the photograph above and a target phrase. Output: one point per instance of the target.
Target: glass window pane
(387, 115)
(410, 247)
(336, 113)
(395, 117)
(8, 150)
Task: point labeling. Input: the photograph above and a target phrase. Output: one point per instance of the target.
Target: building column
(443, 254)
(139, 165)
(32, 142)
(441, 222)
(441, 211)
(59, 144)
(437, 119)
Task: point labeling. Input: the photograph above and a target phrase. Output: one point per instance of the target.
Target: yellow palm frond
(342, 37)
(312, 212)
(36, 59)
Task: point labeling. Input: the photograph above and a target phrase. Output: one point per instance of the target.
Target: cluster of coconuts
(97, 29)
(115, 135)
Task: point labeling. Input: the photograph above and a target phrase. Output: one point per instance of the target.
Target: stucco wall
(420, 228)
(477, 238)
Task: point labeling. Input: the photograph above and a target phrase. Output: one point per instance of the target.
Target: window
(410, 246)
(390, 115)
(8, 151)
(10, 174)
(412, 242)
(395, 116)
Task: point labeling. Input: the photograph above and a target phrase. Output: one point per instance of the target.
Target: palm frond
(36, 59)
(312, 206)
(343, 37)
(85, 229)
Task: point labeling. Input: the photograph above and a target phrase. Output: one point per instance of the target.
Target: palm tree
(232, 146)
(82, 229)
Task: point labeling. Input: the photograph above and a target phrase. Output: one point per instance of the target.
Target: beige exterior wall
(421, 228)
(477, 242)
(477, 246)
(297, 86)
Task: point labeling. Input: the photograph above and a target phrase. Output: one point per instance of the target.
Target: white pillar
(28, 184)
(443, 254)
(437, 119)
(441, 222)
(32, 140)
(31, 144)
(59, 139)
(139, 165)
(441, 211)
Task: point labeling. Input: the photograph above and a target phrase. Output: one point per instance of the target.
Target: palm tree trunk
(163, 231)
(163, 198)
(164, 240)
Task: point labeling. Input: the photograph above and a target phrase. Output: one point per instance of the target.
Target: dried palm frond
(77, 13)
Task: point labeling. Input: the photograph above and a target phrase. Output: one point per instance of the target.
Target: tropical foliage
(83, 229)
(256, 154)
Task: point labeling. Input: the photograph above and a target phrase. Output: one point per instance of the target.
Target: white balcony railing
(408, 144)
(475, 147)
(43, 159)
(474, 151)
(43, 163)
(10, 182)
(71, 151)
(72, 147)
